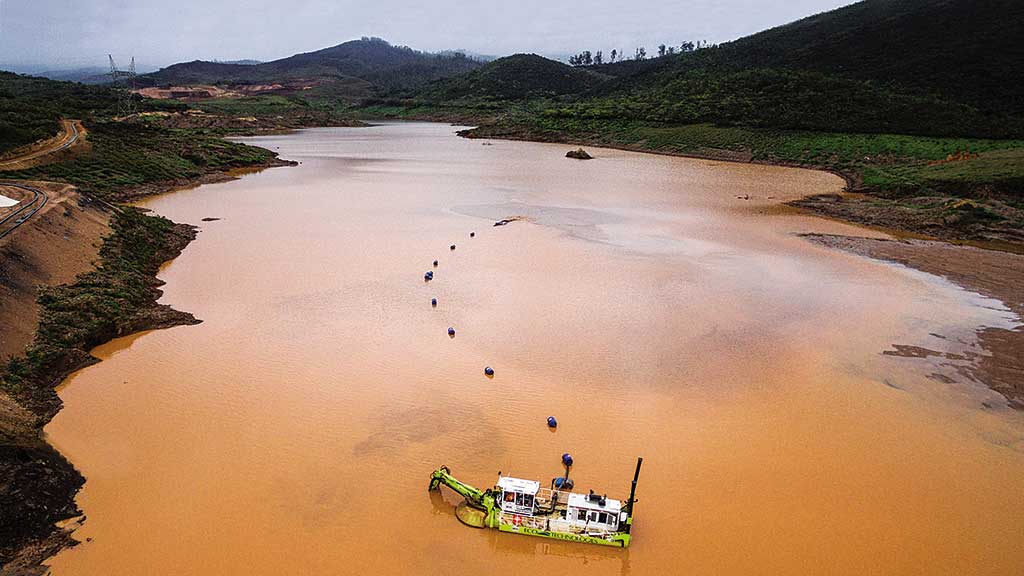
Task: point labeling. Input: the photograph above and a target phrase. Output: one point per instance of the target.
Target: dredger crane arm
(443, 475)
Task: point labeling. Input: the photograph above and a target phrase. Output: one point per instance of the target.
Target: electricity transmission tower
(123, 82)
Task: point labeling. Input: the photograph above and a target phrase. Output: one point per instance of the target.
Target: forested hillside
(929, 67)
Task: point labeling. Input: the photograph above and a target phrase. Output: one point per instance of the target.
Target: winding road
(70, 132)
(24, 211)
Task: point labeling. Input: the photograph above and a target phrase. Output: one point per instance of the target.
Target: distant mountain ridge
(85, 75)
(371, 59)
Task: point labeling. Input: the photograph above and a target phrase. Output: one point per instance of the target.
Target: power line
(123, 82)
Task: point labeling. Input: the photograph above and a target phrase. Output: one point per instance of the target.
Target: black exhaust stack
(632, 490)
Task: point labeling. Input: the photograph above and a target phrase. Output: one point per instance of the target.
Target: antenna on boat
(632, 489)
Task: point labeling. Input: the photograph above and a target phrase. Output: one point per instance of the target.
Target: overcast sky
(73, 33)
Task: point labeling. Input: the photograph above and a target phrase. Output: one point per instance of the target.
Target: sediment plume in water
(294, 430)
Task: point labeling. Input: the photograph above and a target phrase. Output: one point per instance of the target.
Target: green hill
(966, 51)
(873, 66)
(517, 77)
(30, 107)
(928, 67)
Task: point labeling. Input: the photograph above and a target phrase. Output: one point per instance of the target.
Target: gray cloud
(69, 33)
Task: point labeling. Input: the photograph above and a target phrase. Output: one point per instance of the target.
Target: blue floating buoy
(451, 331)
(433, 302)
(567, 459)
(453, 246)
(435, 263)
(489, 371)
(563, 483)
(552, 423)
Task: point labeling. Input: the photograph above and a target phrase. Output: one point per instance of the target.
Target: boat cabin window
(591, 516)
(517, 502)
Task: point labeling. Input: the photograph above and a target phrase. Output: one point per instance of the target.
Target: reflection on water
(642, 302)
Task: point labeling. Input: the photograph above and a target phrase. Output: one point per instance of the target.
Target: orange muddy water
(641, 302)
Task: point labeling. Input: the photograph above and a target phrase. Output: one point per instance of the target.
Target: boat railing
(556, 525)
(547, 499)
(537, 522)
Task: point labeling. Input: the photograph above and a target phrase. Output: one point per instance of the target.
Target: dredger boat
(522, 506)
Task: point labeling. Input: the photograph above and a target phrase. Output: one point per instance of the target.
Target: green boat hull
(480, 510)
(620, 540)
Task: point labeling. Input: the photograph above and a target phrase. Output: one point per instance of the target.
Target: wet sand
(639, 301)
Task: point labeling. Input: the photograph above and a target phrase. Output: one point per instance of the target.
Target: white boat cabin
(518, 496)
(593, 511)
(588, 512)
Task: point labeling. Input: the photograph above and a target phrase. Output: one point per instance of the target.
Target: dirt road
(24, 210)
(70, 134)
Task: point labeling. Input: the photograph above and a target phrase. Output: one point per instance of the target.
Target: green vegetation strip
(127, 155)
(98, 306)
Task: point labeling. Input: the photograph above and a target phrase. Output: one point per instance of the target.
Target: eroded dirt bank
(55, 251)
(54, 246)
(37, 484)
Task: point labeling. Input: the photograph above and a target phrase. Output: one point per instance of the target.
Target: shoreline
(988, 268)
(935, 212)
(45, 482)
(998, 275)
(39, 481)
(41, 541)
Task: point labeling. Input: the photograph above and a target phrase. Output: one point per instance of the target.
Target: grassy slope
(30, 108)
(127, 155)
(967, 52)
(930, 67)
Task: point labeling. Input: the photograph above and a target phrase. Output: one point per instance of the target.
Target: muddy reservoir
(658, 307)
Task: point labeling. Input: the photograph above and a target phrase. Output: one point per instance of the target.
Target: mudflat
(995, 273)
